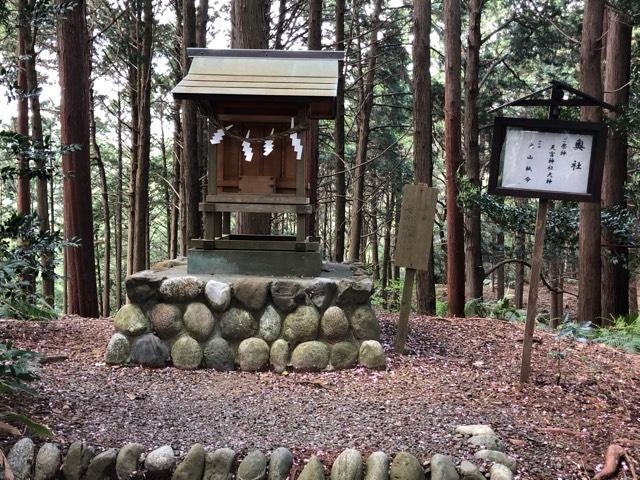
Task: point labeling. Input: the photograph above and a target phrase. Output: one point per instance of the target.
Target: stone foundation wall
(247, 323)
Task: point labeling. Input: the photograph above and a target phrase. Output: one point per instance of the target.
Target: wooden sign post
(413, 246)
(546, 159)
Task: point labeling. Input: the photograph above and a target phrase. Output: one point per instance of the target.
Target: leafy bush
(501, 309)
(17, 369)
(623, 333)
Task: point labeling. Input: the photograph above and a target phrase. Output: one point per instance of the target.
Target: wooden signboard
(413, 246)
(545, 159)
(551, 159)
(416, 226)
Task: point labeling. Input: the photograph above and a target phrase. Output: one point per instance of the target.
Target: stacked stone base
(246, 322)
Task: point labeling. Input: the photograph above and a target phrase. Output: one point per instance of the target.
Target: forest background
(104, 180)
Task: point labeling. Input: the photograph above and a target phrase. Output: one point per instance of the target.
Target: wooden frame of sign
(556, 159)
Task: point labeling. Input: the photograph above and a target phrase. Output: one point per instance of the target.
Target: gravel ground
(458, 371)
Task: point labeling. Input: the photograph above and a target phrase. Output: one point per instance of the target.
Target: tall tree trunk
(282, 16)
(519, 247)
(615, 273)
(73, 61)
(340, 164)
(22, 118)
(314, 43)
(190, 168)
(366, 105)
(38, 137)
(166, 193)
(422, 132)
(104, 191)
(453, 158)
(118, 212)
(500, 280)
(474, 270)
(589, 273)
(386, 250)
(178, 204)
(141, 194)
(250, 29)
(375, 254)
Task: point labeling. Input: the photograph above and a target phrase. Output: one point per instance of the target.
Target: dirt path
(458, 371)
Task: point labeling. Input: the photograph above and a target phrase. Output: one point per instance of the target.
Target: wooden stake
(405, 310)
(536, 267)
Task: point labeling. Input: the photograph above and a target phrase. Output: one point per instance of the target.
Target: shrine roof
(262, 73)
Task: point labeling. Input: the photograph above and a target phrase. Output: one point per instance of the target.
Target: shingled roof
(271, 73)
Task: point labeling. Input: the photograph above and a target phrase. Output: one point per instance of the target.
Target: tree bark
(141, 195)
(615, 273)
(190, 165)
(22, 117)
(386, 251)
(340, 165)
(366, 105)
(474, 270)
(589, 273)
(118, 209)
(314, 43)
(453, 158)
(422, 136)
(37, 137)
(500, 280)
(104, 191)
(250, 29)
(73, 61)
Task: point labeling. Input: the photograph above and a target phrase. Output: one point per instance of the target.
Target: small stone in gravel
(334, 324)
(253, 354)
(127, 460)
(472, 430)
(406, 467)
(364, 324)
(500, 472)
(199, 321)
(497, 457)
(287, 295)
(47, 462)
(280, 463)
(218, 295)
(160, 462)
(371, 355)
(166, 320)
(442, 468)
(347, 466)
(130, 320)
(192, 467)
(77, 460)
(344, 355)
(312, 356)
(251, 292)
(470, 471)
(270, 324)
(253, 467)
(377, 466)
(149, 351)
(237, 324)
(118, 349)
(103, 465)
(279, 355)
(490, 442)
(181, 289)
(301, 325)
(186, 353)
(312, 470)
(218, 464)
(219, 355)
(20, 458)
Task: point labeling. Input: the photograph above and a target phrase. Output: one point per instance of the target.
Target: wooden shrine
(258, 104)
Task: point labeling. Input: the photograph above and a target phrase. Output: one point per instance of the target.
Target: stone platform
(251, 323)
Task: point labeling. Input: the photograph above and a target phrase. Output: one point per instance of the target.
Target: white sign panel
(546, 161)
